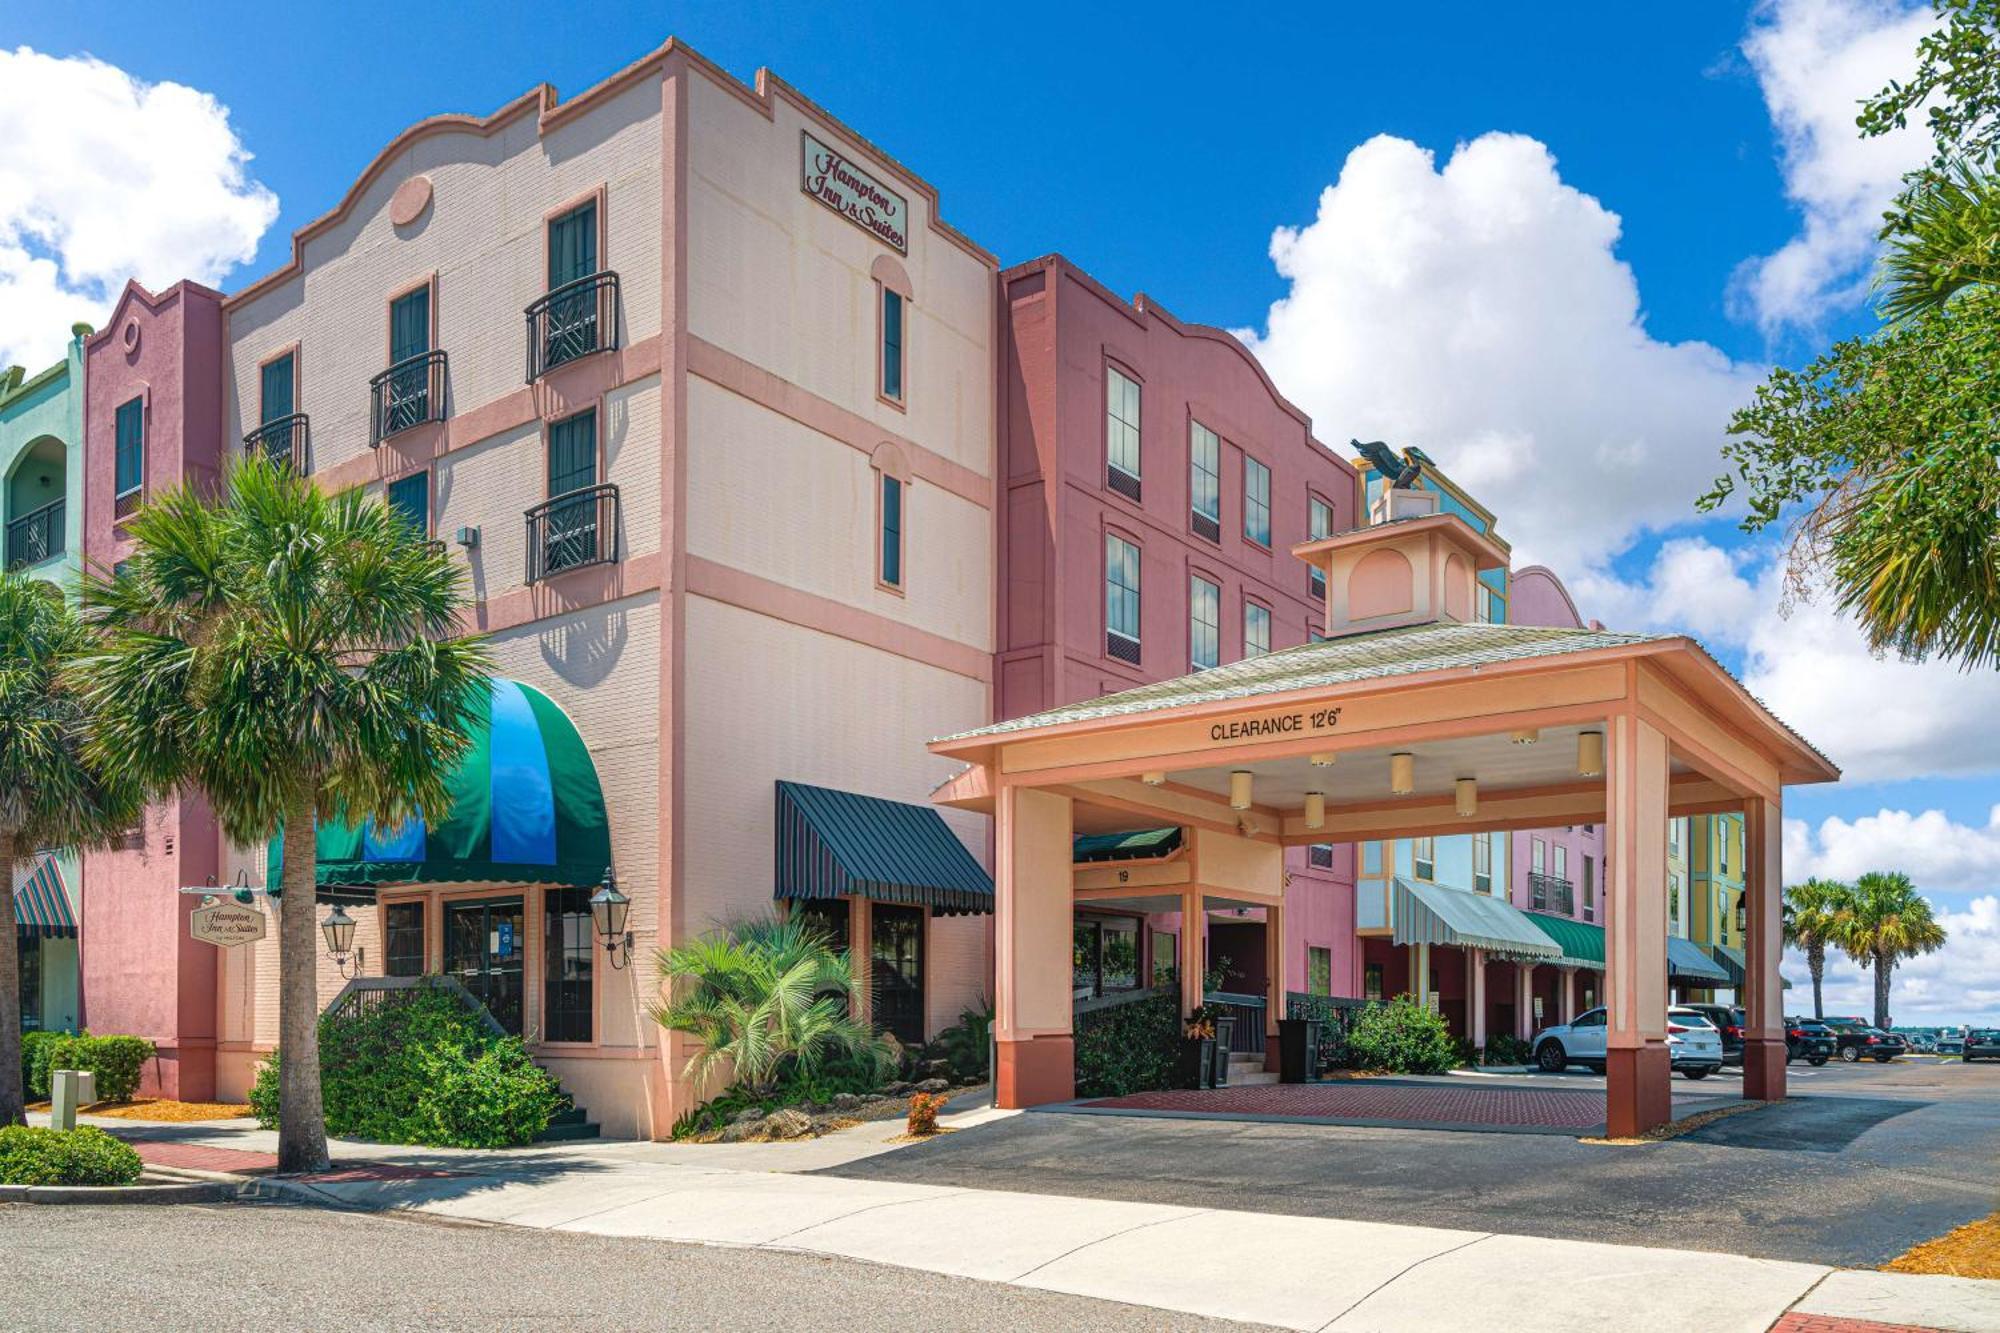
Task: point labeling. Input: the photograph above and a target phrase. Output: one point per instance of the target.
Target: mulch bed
(1972, 1250)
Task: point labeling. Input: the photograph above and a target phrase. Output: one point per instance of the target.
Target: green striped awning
(1582, 944)
(1686, 961)
(1730, 959)
(838, 844)
(1136, 845)
(1428, 913)
(42, 909)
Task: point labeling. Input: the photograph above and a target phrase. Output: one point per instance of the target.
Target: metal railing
(365, 996)
(1246, 1035)
(1550, 893)
(283, 440)
(573, 531)
(36, 535)
(574, 320)
(407, 394)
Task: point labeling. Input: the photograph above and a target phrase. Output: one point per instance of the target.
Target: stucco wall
(44, 417)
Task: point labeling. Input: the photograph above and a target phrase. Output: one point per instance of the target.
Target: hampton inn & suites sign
(830, 176)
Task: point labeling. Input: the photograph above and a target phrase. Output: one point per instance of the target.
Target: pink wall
(1062, 328)
(141, 973)
(1535, 596)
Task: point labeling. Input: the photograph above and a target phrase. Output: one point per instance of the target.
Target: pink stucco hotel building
(763, 475)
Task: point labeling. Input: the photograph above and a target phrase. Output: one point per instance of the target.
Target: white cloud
(1479, 310)
(1816, 61)
(1938, 854)
(104, 177)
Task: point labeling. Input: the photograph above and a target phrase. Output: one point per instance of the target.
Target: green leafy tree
(1888, 922)
(1881, 458)
(51, 793)
(1817, 916)
(294, 656)
(762, 999)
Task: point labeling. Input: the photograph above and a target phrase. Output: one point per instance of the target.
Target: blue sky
(1462, 287)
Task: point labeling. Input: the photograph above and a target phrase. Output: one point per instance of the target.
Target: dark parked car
(1982, 1044)
(1729, 1022)
(1857, 1040)
(1809, 1040)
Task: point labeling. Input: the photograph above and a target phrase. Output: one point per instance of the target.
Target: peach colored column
(1568, 1001)
(1475, 990)
(1194, 932)
(861, 953)
(1638, 1095)
(1524, 1000)
(1032, 938)
(1274, 981)
(1763, 945)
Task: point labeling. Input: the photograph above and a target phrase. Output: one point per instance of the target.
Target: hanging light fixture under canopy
(1322, 758)
(1315, 810)
(1154, 778)
(1466, 797)
(1402, 773)
(1590, 754)
(1526, 736)
(1239, 789)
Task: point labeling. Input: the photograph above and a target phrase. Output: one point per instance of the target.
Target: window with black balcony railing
(1550, 893)
(36, 535)
(572, 321)
(407, 394)
(285, 439)
(573, 531)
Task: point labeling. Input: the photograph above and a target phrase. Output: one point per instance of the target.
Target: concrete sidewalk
(1290, 1272)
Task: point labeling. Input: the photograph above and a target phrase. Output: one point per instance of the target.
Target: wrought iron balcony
(36, 535)
(407, 394)
(283, 440)
(574, 320)
(1550, 893)
(573, 531)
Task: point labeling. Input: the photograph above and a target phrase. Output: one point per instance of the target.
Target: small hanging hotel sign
(830, 176)
(226, 924)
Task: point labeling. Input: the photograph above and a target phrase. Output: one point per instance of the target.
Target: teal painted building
(41, 494)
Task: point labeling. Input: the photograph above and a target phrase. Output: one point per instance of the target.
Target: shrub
(965, 1044)
(1133, 1047)
(1402, 1037)
(82, 1156)
(36, 1048)
(924, 1108)
(860, 1074)
(1506, 1050)
(118, 1062)
(427, 1071)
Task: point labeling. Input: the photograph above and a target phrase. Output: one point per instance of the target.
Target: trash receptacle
(1298, 1049)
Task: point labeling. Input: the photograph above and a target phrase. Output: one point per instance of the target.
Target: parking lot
(1860, 1163)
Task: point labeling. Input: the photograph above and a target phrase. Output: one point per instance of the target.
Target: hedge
(1129, 1048)
(82, 1156)
(424, 1070)
(1402, 1037)
(118, 1062)
(36, 1048)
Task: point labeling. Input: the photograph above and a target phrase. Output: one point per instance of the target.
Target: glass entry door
(897, 970)
(484, 947)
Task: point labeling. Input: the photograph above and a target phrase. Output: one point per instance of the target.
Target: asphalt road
(267, 1267)
(1861, 1163)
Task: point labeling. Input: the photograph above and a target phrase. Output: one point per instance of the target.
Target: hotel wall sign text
(830, 176)
(1276, 724)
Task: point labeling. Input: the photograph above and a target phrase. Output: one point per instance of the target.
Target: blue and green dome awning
(526, 808)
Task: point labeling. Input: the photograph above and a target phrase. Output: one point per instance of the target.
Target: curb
(161, 1191)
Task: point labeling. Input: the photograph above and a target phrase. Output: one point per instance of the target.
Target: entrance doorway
(484, 946)
(897, 970)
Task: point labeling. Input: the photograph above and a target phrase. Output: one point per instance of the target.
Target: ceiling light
(1466, 800)
(1239, 789)
(1590, 754)
(1154, 779)
(1526, 736)
(1315, 810)
(1321, 758)
(1402, 773)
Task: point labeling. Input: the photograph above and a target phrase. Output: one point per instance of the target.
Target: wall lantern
(1743, 916)
(1466, 794)
(1239, 789)
(1154, 778)
(1526, 736)
(1315, 809)
(1590, 754)
(1402, 773)
(1321, 758)
(338, 928)
(608, 911)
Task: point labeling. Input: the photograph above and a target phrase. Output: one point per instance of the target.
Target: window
(1489, 609)
(1562, 862)
(1256, 630)
(1320, 855)
(1121, 599)
(891, 552)
(1204, 623)
(1104, 955)
(403, 949)
(1482, 862)
(573, 245)
(569, 950)
(896, 969)
(1589, 889)
(1538, 856)
(1256, 501)
(1205, 481)
(1423, 856)
(1674, 836)
(826, 917)
(1121, 432)
(276, 383)
(1319, 970)
(1673, 897)
(1319, 523)
(892, 345)
(1371, 982)
(1721, 834)
(572, 533)
(406, 389)
(572, 320)
(411, 497)
(130, 457)
(1166, 957)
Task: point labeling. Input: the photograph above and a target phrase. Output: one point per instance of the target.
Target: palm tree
(762, 998)
(294, 656)
(1817, 914)
(51, 794)
(1890, 921)
(1948, 241)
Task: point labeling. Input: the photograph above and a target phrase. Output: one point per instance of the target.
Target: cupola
(1411, 566)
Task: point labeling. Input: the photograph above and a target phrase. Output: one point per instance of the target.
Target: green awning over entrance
(526, 808)
(839, 844)
(42, 909)
(1687, 962)
(1582, 944)
(1137, 845)
(1429, 913)
(1732, 963)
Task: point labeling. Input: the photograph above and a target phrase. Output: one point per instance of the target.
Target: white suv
(1693, 1044)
